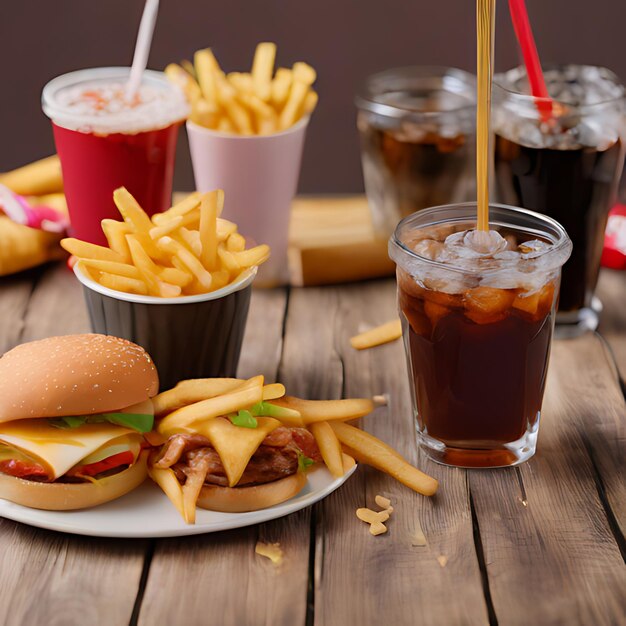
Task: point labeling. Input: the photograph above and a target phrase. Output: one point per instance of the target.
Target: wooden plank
(612, 292)
(56, 306)
(246, 588)
(550, 552)
(263, 341)
(361, 579)
(77, 580)
(15, 293)
(597, 409)
(48, 577)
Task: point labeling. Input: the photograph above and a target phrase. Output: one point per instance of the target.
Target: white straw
(142, 47)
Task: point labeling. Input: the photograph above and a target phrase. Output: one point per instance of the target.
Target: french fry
(267, 125)
(207, 69)
(377, 336)
(372, 451)
(225, 125)
(297, 95)
(189, 391)
(236, 113)
(241, 81)
(273, 391)
(174, 276)
(281, 86)
(192, 239)
(310, 102)
(86, 250)
(252, 256)
(189, 68)
(262, 68)
(248, 393)
(150, 246)
(327, 410)
(185, 206)
(116, 232)
(185, 81)
(288, 417)
(348, 462)
(205, 113)
(187, 259)
(123, 283)
(121, 269)
(262, 113)
(132, 213)
(149, 271)
(166, 228)
(166, 479)
(208, 229)
(228, 261)
(304, 73)
(225, 228)
(235, 243)
(329, 446)
(220, 278)
(86, 270)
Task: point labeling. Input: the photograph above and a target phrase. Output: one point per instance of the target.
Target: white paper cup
(259, 176)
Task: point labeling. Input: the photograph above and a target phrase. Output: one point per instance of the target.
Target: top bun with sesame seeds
(74, 375)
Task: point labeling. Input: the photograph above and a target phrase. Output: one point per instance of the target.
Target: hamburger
(73, 411)
(233, 464)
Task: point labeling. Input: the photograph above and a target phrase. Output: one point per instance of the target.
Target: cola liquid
(420, 170)
(478, 361)
(574, 186)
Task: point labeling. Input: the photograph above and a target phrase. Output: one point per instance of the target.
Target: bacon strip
(176, 445)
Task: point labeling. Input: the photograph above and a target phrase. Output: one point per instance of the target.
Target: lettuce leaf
(244, 418)
(137, 421)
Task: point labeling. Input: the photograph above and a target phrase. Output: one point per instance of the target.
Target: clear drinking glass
(418, 140)
(477, 329)
(565, 164)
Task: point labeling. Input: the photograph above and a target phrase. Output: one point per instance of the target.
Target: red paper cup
(101, 151)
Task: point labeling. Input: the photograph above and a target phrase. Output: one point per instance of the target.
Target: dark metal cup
(187, 337)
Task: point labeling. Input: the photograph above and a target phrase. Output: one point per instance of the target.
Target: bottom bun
(69, 496)
(241, 499)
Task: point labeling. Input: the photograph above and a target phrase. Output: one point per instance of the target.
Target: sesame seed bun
(74, 375)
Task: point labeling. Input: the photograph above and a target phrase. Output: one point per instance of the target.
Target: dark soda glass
(478, 338)
(418, 142)
(566, 166)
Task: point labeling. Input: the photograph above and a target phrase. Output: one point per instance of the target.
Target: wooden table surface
(539, 544)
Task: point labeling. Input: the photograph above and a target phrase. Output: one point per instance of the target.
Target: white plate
(146, 512)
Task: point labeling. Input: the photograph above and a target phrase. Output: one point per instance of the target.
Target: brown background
(345, 40)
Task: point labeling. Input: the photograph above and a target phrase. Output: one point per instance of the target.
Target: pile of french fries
(183, 408)
(258, 102)
(187, 250)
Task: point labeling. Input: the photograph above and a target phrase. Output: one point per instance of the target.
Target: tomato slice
(19, 468)
(121, 458)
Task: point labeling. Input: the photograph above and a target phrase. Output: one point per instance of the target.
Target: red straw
(524, 34)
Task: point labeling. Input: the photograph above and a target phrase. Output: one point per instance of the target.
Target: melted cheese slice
(234, 444)
(59, 449)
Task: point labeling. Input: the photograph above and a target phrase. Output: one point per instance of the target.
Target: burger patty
(276, 457)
